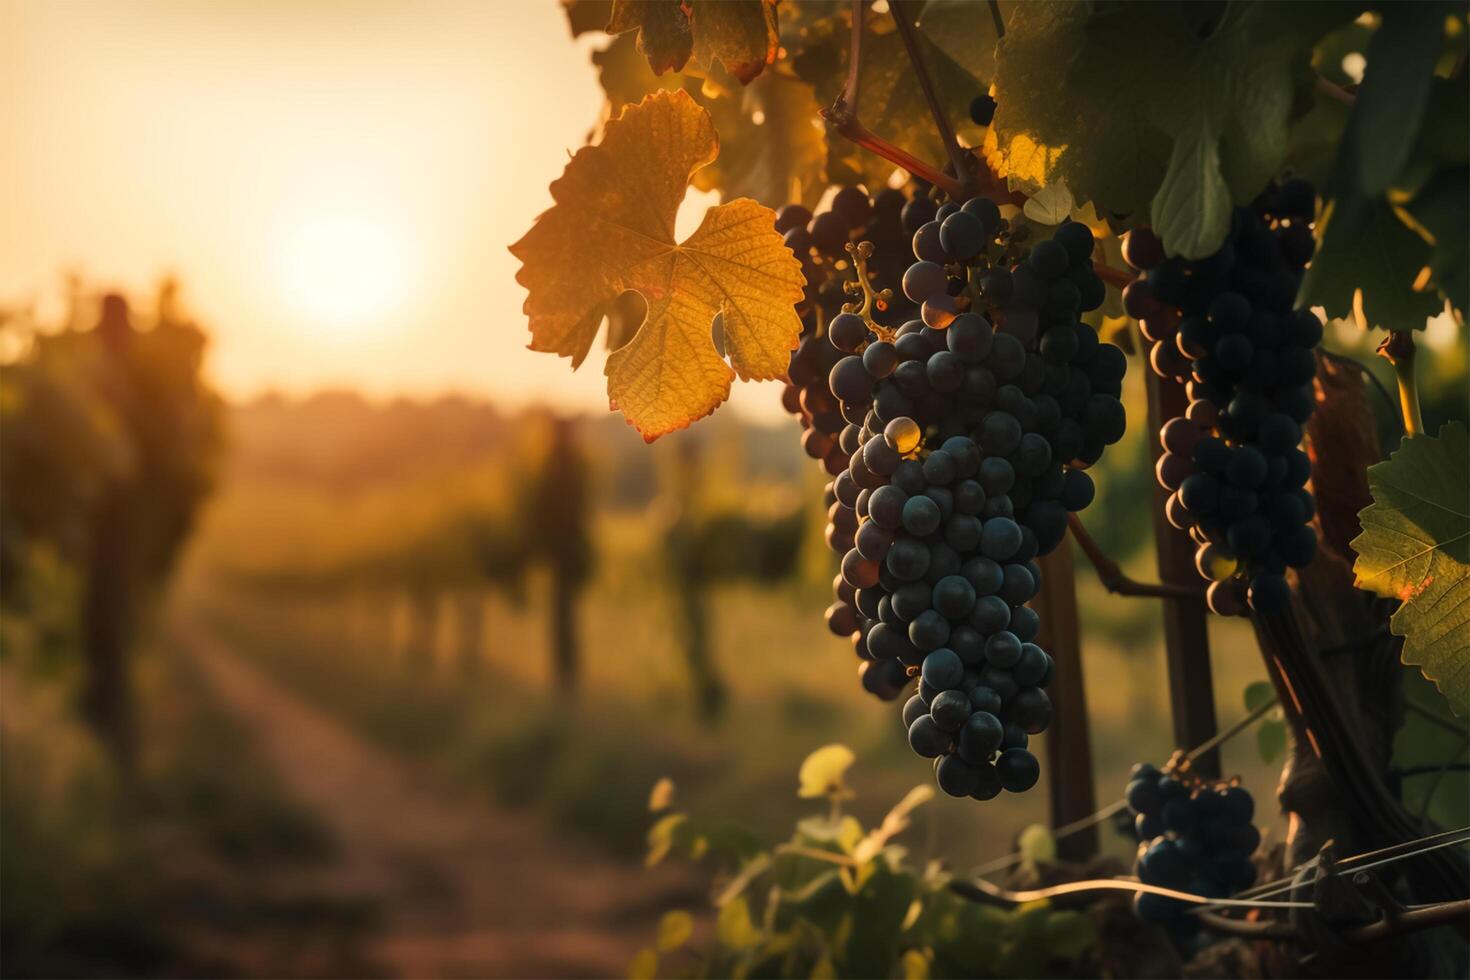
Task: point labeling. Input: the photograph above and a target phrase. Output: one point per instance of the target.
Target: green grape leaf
(612, 230)
(1258, 693)
(1415, 547)
(1391, 102)
(965, 30)
(1364, 246)
(1271, 740)
(1069, 933)
(1442, 210)
(878, 912)
(1198, 122)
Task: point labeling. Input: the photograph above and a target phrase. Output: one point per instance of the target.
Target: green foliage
(1415, 547)
(1367, 249)
(1395, 92)
(1270, 730)
(892, 102)
(836, 899)
(109, 414)
(1181, 109)
(1397, 188)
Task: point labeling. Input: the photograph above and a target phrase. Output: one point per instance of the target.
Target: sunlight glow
(343, 271)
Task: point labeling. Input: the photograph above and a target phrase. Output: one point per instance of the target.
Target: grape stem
(1335, 92)
(1111, 276)
(852, 89)
(845, 121)
(1111, 575)
(961, 160)
(1398, 349)
(1000, 24)
(1356, 365)
(842, 115)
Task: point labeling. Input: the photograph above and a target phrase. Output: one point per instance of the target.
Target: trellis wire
(1207, 903)
(1117, 806)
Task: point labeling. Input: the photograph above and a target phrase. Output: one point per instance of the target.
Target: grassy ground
(191, 867)
(513, 727)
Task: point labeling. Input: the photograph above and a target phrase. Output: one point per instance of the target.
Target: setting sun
(343, 271)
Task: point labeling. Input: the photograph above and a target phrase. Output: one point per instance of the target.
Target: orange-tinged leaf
(663, 30)
(612, 230)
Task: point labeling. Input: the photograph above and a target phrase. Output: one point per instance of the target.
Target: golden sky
(335, 183)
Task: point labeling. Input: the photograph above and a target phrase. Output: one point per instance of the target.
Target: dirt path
(466, 890)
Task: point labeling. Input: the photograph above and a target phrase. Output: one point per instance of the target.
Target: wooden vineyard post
(1068, 742)
(1186, 636)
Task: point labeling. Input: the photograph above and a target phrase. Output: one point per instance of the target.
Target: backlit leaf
(612, 229)
(1415, 547)
(1197, 121)
(734, 927)
(1364, 246)
(1051, 205)
(741, 34)
(822, 772)
(644, 965)
(1037, 845)
(661, 797)
(674, 930)
(663, 35)
(1442, 210)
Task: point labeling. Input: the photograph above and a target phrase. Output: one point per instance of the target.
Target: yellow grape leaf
(821, 772)
(734, 928)
(1037, 845)
(644, 965)
(674, 930)
(661, 797)
(742, 34)
(612, 230)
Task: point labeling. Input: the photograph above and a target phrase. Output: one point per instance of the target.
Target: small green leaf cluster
(837, 899)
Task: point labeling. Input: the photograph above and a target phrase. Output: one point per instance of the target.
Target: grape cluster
(969, 431)
(821, 243)
(1193, 836)
(1225, 326)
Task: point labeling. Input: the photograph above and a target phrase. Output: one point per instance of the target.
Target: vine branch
(1110, 573)
(1398, 349)
(1357, 365)
(852, 89)
(957, 156)
(1335, 92)
(1111, 276)
(1000, 24)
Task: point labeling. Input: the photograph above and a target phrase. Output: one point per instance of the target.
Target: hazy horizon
(336, 202)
